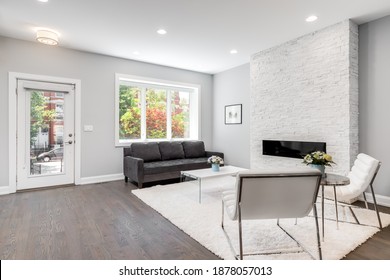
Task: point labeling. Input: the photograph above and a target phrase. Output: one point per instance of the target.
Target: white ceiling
(200, 35)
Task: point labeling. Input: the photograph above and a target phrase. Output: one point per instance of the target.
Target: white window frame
(195, 110)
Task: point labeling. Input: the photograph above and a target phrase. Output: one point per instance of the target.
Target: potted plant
(318, 160)
(215, 161)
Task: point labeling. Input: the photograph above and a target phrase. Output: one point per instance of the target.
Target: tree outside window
(155, 110)
(130, 110)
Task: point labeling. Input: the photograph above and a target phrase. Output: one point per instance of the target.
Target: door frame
(12, 124)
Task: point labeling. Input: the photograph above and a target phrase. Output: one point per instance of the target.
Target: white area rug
(179, 204)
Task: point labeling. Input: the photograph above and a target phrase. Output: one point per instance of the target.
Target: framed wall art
(233, 114)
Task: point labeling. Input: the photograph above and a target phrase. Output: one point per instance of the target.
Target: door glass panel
(46, 132)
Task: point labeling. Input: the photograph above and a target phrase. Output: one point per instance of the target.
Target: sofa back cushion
(194, 149)
(147, 151)
(171, 150)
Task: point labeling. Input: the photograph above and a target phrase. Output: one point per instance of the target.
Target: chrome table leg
(200, 189)
(322, 213)
(335, 204)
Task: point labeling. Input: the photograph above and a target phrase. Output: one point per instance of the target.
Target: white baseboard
(5, 190)
(380, 199)
(101, 179)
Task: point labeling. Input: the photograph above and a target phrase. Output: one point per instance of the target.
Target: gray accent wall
(232, 87)
(99, 155)
(374, 96)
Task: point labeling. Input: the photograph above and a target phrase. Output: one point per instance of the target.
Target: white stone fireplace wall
(307, 90)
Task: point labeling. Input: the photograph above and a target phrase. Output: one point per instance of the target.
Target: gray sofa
(157, 161)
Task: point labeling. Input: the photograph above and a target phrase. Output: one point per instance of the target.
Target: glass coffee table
(200, 174)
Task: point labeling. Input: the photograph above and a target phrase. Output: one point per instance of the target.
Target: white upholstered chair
(361, 176)
(272, 194)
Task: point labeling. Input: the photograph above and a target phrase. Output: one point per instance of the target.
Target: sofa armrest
(127, 151)
(133, 168)
(209, 154)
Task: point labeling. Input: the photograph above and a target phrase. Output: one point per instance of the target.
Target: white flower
(308, 159)
(318, 157)
(215, 160)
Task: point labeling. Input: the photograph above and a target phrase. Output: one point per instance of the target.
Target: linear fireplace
(291, 149)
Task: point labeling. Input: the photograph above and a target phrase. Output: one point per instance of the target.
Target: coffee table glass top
(200, 174)
(208, 172)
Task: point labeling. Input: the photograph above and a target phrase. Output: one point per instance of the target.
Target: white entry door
(45, 134)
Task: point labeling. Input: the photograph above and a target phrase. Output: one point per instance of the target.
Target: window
(148, 109)
(59, 110)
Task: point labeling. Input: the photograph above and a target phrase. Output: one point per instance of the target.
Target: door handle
(69, 142)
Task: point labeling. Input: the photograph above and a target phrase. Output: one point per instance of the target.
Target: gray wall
(232, 87)
(97, 74)
(374, 96)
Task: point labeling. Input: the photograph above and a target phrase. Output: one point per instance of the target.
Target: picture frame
(233, 114)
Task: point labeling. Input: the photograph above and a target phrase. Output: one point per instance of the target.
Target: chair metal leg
(353, 214)
(227, 236)
(318, 230)
(302, 248)
(376, 206)
(240, 232)
(241, 253)
(365, 200)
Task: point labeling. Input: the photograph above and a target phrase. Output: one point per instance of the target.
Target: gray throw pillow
(194, 149)
(147, 151)
(171, 150)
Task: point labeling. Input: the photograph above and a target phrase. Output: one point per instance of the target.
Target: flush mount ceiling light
(162, 31)
(234, 51)
(136, 53)
(44, 1)
(47, 37)
(311, 18)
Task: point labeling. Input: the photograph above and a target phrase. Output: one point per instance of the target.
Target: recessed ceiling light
(136, 53)
(44, 1)
(311, 18)
(47, 37)
(234, 51)
(162, 31)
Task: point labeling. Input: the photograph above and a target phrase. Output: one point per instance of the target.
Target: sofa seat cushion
(175, 165)
(147, 151)
(194, 149)
(171, 150)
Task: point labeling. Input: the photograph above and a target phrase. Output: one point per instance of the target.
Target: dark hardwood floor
(377, 247)
(105, 221)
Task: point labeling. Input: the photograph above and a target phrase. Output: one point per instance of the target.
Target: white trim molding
(380, 199)
(101, 179)
(5, 190)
